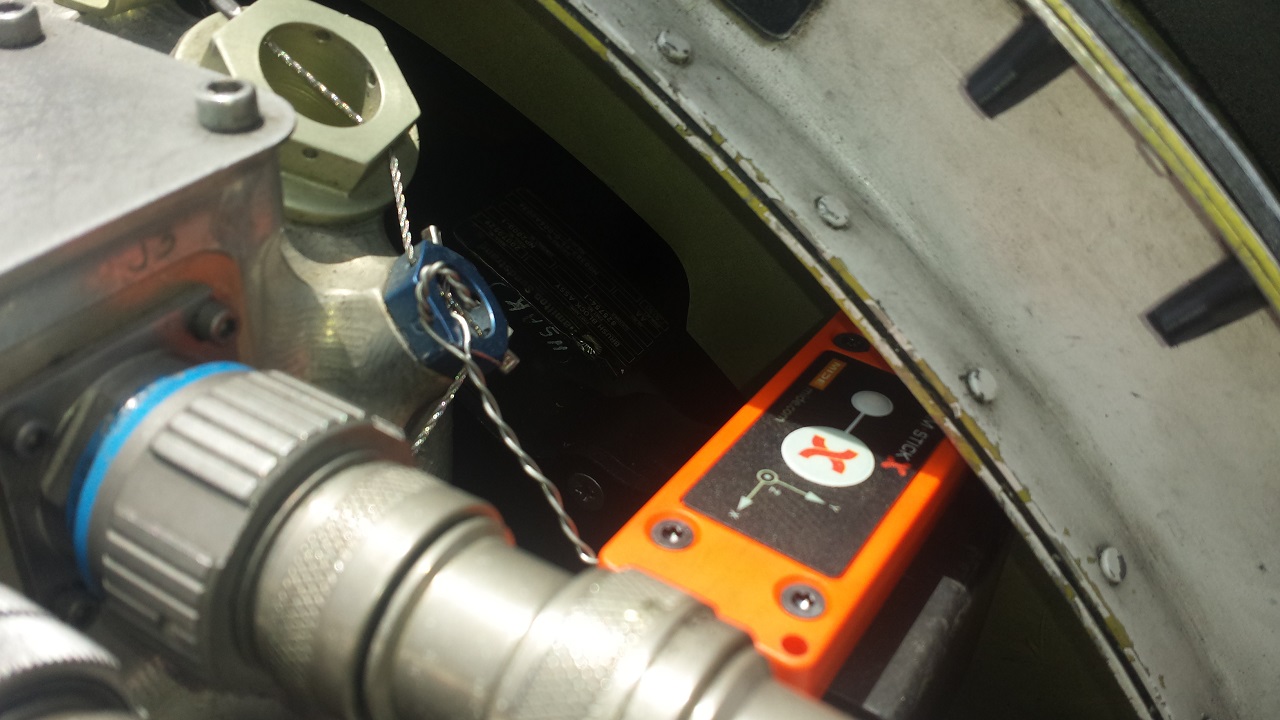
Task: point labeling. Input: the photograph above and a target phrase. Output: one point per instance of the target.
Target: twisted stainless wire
(313, 81)
(462, 351)
(420, 442)
(454, 287)
(402, 211)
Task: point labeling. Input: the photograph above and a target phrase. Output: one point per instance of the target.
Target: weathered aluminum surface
(1187, 133)
(110, 183)
(1028, 246)
(321, 317)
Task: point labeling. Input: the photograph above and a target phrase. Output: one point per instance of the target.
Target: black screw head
(74, 606)
(585, 492)
(803, 601)
(25, 435)
(672, 534)
(852, 342)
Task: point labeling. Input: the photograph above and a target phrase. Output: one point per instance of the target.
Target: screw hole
(310, 153)
(803, 600)
(672, 534)
(323, 36)
(225, 87)
(795, 645)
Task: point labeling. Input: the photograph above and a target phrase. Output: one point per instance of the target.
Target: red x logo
(820, 449)
(891, 464)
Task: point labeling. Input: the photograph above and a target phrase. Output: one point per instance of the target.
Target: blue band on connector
(100, 455)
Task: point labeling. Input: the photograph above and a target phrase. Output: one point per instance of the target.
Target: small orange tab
(828, 374)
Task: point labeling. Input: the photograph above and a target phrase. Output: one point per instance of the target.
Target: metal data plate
(1029, 246)
(108, 178)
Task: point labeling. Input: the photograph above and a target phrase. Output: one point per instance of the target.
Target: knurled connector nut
(585, 654)
(179, 511)
(41, 656)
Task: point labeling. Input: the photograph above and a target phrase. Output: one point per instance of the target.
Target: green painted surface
(1033, 659)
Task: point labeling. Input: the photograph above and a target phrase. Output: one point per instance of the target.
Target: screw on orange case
(795, 520)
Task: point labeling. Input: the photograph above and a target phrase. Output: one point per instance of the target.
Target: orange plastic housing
(742, 579)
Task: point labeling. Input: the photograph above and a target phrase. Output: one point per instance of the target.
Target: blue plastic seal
(106, 444)
(402, 304)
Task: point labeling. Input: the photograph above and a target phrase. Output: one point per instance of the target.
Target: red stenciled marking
(820, 449)
(891, 464)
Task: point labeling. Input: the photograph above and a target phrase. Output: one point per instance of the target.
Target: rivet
(675, 48)
(1112, 564)
(833, 211)
(981, 385)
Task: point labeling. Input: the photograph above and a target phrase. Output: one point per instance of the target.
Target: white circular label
(871, 403)
(828, 456)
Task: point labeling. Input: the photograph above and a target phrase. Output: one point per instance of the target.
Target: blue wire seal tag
(488, 345)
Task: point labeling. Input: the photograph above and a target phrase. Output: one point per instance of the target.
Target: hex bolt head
(1112, 564)
(675, 48)
(228, 105)
(803, 601)
(672, 534)
(214, 322)
(833, 211)
(19, 24)
(981, 385)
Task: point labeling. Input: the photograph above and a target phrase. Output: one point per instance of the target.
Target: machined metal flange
(334, 167)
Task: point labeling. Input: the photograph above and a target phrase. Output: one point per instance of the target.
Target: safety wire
(452, 283)
(419, 444)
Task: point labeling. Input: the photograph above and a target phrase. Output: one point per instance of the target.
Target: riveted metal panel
(1028, 246)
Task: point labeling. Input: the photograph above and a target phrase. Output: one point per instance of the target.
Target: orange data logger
(797, 518)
